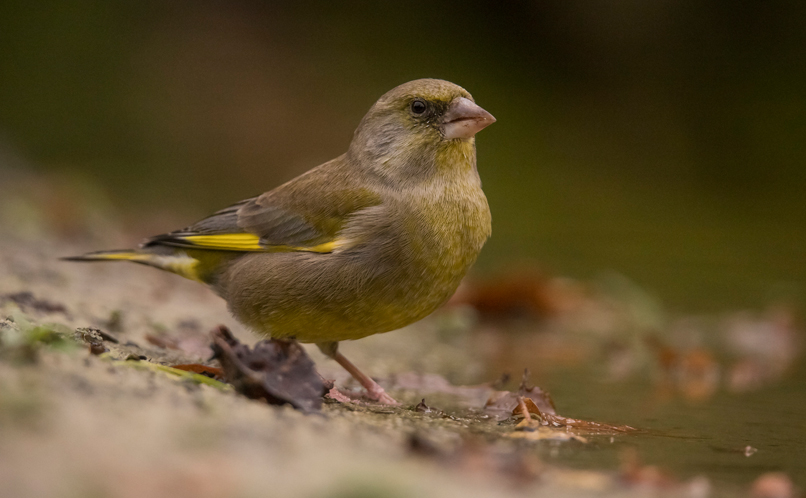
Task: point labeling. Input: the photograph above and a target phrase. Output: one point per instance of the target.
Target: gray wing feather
(275, 225)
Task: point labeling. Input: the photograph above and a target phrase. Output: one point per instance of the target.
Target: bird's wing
(305, 214)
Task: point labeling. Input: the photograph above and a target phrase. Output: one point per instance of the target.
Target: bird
(369, 242)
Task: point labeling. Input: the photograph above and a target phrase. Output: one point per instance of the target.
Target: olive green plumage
(369, 242)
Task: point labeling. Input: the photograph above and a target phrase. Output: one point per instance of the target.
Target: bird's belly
(401, 275)
(343, 296)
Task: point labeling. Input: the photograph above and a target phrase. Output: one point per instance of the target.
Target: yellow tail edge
(123, 255)
(179, 263)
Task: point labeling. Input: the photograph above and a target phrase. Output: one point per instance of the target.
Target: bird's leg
(374, 390)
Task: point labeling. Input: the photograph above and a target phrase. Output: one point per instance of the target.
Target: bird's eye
(418, 106)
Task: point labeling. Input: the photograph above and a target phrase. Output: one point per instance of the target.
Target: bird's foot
(376, 393)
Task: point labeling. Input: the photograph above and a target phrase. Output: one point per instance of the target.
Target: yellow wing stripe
(226, 241)
(118, 256)
(249, 242)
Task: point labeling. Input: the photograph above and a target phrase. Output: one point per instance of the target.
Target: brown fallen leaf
(522, 292)
(530, 401)
(526, 407)
(536, 430)
(501, 404)
(278, 371)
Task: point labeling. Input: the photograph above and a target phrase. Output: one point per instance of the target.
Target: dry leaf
(501, 404)
(522, 292)
(526, 407)
(278, 371)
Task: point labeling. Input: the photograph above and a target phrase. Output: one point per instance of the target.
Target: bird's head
(417, 122)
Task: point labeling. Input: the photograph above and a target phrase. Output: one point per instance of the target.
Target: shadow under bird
(368, 242)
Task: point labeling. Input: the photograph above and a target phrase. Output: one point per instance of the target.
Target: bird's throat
(457, 155)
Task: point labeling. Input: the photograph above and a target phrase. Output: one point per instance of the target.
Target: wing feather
(305, 214)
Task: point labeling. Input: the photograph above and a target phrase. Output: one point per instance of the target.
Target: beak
(463, 119)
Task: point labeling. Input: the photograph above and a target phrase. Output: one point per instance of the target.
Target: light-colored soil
(79, 425)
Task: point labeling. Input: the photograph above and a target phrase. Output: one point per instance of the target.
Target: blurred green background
(663, 140)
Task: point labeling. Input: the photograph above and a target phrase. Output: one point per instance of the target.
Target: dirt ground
(78, 424)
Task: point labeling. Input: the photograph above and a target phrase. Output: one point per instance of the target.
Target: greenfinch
(368, 242)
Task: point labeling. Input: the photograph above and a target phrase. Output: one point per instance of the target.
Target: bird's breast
(440, 237)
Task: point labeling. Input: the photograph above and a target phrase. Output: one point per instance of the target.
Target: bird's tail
(120, 255)
(177, 262)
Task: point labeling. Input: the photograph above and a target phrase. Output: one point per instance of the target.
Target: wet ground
(718, 399)
(730, 438)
